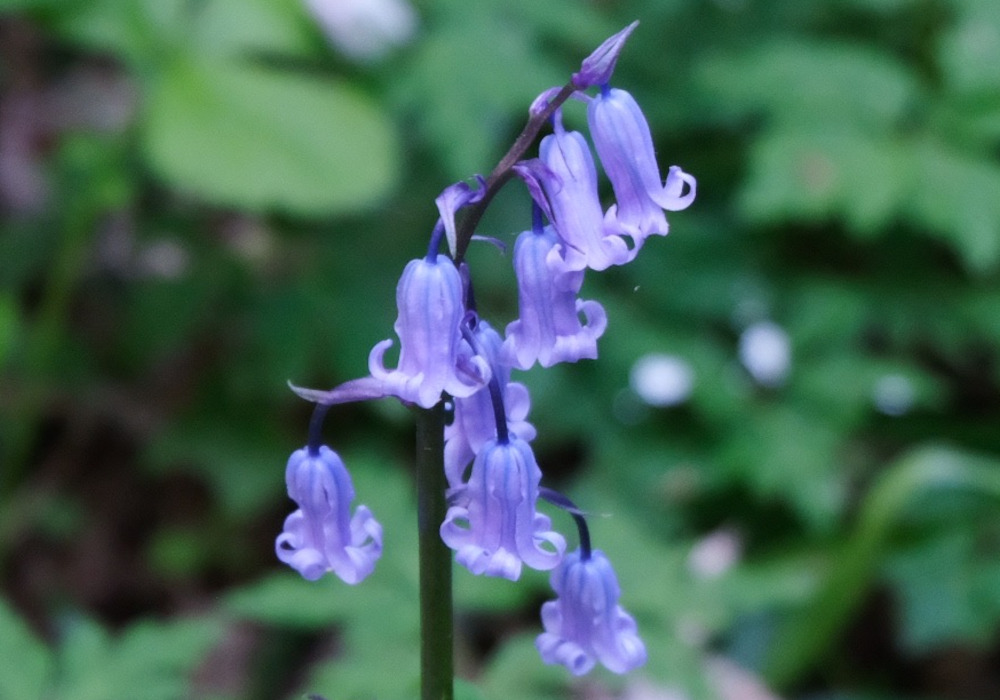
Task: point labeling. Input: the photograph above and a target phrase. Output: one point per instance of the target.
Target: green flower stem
(436, 627)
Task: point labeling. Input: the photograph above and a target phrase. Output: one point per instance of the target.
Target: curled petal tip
(362, 389)
(453, 198)
(597, 68)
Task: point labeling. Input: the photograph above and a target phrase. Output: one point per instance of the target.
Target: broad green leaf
(25, 663)
(970, 48)
(258, 138)
(954, 196)
(516, 671)
(826, 175)
(464, 690)
(148, 661)
(140, 32)
(949, 593)
(798, 471)
(286, 599)
(797, 84)
(235, 27)
(239, 465)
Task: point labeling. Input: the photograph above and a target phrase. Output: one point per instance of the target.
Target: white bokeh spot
(662, 380)
(766, 352)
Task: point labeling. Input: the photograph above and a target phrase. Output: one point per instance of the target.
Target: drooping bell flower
(585, 624)
(625, 146)
(496, 528)
(474, 423)
(571, 190)
(548, 329)
(322, 535)
(433, 358)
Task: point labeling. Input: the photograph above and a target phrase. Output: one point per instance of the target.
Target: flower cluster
(446, 352)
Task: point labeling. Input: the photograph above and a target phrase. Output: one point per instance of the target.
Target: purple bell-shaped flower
(474, 423)
(322, 535)
(433, 358)
(585, 624)
(549, 328)
(496, 527)
(571, 190)
(625, 146)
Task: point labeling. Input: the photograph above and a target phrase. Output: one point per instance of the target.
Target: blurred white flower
(893, 395)
(164, 258)
(644, 689)
(662, 380)
(715, 554)
(365, 29)
(732, 682)
(766, 352)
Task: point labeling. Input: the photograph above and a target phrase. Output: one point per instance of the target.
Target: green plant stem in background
(436, 629)
(809, 633)
(46, 332)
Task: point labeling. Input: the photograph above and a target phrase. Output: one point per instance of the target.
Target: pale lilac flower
(766, 352)
(625, 146)
(597, 68)
(715, 554)
(433, 358)
(585, 624)
(571, 190)
(894, 394)
(549, 328)
(474, 423)
(497, 528)
(321, 535)
(662, 380)
(365, 30)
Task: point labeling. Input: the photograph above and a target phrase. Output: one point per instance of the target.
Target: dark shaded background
(203, 199)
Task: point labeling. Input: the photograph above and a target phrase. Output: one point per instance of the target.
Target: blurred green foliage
(226, 203)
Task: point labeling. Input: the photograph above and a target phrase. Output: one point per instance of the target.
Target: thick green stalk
(436, 628)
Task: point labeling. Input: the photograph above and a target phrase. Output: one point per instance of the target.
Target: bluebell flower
(625, 146)
(474, 423)
(453, 198)
(597, 68)
(496, 527)
(548, 329)
(433, 357)
(322, 535)
(571, 191)
(585, 624)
